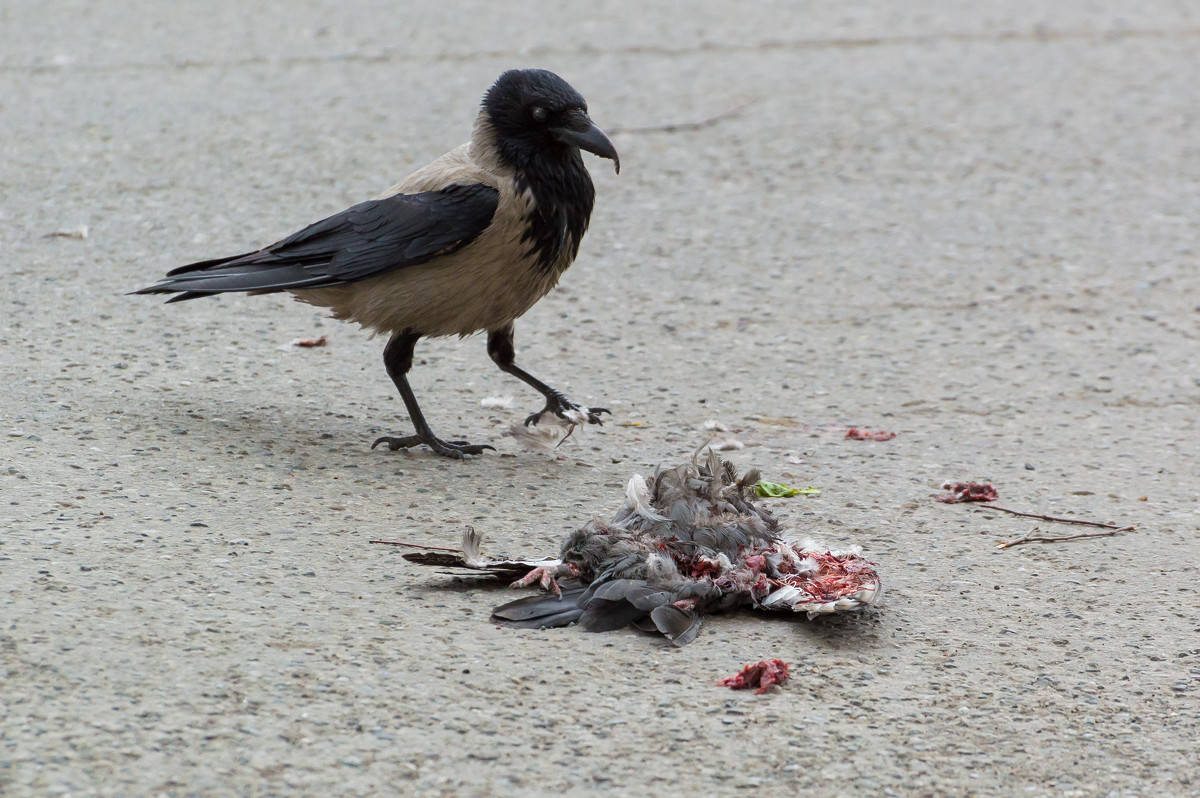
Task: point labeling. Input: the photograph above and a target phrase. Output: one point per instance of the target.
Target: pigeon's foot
(568, 411)
(547, 577)
(457, 450)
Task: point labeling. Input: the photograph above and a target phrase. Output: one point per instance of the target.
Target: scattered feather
(80, 233)
(775, 420)
(549, 431)
(575, 416)
(496, 401)
(539, 437)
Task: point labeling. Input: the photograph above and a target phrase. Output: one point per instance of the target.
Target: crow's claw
(457, 450)
(564, 408)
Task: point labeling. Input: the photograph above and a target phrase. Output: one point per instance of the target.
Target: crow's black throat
(563, 197)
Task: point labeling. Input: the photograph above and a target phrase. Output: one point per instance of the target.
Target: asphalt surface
(969, 225)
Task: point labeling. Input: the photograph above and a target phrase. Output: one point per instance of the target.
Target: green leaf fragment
(776, 490)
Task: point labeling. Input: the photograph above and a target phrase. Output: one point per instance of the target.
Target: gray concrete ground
(968, 224)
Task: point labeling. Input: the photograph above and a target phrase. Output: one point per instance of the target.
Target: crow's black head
(536, 114)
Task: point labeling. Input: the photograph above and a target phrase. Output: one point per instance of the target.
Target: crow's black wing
(363, 241)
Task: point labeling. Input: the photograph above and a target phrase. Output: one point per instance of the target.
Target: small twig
(676, 127)
(416, 546)
(1029, 537)
(1060, 520)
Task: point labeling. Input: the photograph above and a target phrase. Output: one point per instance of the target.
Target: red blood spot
(702, 567)
(968, 492)
(856, 434)
(834, 578)
(761, 675)
(311, 341)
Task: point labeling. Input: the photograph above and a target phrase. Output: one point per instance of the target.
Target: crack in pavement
(1038, 34)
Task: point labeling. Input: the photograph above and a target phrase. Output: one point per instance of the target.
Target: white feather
(543, 437)
(473, 556)
(810, 546)
(472, 546)
(725, 444)
(661, 568)
(638, 494)
(784, 595)
(577, 416)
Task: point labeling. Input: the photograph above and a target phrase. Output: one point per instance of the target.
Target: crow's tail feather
(254, 272)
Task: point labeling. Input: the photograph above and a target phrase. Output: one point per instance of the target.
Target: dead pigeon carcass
(689, 541)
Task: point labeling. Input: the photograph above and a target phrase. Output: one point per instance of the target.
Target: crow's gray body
(486, 284)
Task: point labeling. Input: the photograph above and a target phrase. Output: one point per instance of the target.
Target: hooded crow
(467, 243)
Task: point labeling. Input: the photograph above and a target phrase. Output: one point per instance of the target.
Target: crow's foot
(568, 411)
(547, 577)
(454, 449)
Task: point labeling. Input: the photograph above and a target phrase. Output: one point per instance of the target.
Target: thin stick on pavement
(1029, 537)
(1058, 519)
(415, 545)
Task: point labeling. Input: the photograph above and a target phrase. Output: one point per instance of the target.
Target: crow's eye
(539, 113)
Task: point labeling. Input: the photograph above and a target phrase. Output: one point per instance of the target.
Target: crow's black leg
(500, 348)
(398, 358)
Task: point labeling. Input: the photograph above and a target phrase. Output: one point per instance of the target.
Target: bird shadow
(849, 631)
(458, 583)
(839, 631)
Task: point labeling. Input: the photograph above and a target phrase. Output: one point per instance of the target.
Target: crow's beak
(579, 131)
